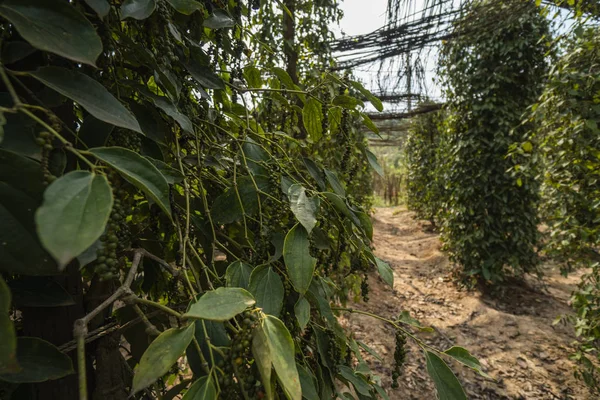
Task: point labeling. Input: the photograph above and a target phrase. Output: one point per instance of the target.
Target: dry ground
(511, 334)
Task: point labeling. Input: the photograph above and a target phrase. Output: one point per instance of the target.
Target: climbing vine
(492, 76)
(424, 181)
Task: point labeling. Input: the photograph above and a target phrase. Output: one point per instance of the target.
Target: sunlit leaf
(447, 385)
(162, 353)
(221, 304)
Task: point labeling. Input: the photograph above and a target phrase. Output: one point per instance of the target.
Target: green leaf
(359, 383)
(55, 26)
(298, 261)
(335, 183)
(221, 304)
(238, 274)
(315, 171)
(348, 102)
(170, 174)
(137, 9)
(448, 387)
(207, 330)
(101, 7)
(263, 357)
(303, 207)
(253, 77)
(463, 356)
(205, 76)
(372, 99)
(386, 272)
(40, 361)
(151, 123)
(218, 20)
(282, 351)
(406, 318)
(302, 312)
(369, 350)
(267, 288)
(283, 77)
(74, 214)
(365, 222)
(138, 171)
(90, 94)
(341, 206)
(8, 344)
(39, 292)
(307, 382)
(369, 123)
(312, 117)
(162, 353)
(185, 7)
(372, 158)
(202, 389)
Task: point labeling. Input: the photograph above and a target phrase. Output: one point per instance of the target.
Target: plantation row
(516, 148)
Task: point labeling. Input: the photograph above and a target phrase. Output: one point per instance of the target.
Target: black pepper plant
(183, 211)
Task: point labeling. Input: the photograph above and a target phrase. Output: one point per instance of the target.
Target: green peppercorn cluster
(238, 367)
(44, 140)
(399, 357)
(116, 236)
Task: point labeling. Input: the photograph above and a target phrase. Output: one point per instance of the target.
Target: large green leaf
(185, 6)
(282, 351)
(346, 101)
(447, 385)
(253, 76)
(218, 20)
(221, 304)
(307, 381)
(386, 272)
(312, 117)
(94, 132)
(74, 214)
(138, 171)
(170, 174)
(303, 207)
(137, 9)
(463, 356)
(39, 361)
(267, 288)
(263, 358)
(8, 344)
(372, 99)
(238, 274)
(89, 93)
(162, 353)
(227, 207)
(298, 261)
(202, 389)
(315, 171)
(55, 26)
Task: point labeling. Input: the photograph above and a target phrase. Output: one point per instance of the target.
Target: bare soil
(510, 332)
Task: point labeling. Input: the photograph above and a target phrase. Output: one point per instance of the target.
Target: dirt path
(512, 336)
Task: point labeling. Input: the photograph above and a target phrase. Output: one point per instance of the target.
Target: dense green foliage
(425, 177)
(568, 143)
(167, 189)
(492, 76)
